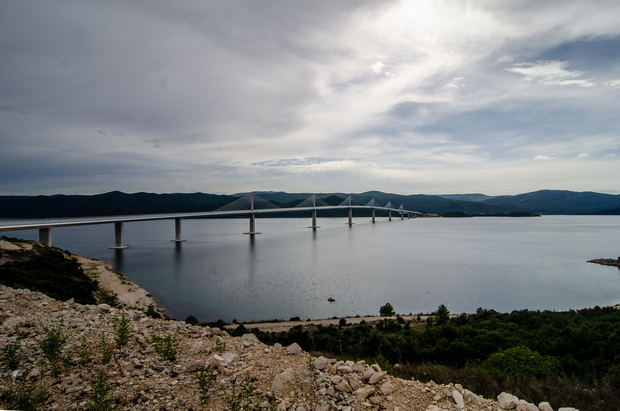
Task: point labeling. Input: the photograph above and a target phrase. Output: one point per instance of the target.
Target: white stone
(104, 308)
(526, 406)
(507, 401)
(387, 388)
(293, 349)
(458, 399)
(376, 377)
(320, 363)
(545, 406)
(354, 381)
(250, 337)
(229, 358)
(368, 373)
(216, 361)
(567, 409)
(359, 366)
(471, 396)
(362, 393)
(335, 379)
(280, 380)
(344, 386)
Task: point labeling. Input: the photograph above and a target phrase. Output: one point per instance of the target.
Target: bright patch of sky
(449, 96)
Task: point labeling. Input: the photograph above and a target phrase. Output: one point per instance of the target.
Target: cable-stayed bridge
(250, 205)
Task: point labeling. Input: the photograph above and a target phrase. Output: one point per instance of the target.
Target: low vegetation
(48, 270)
(568, 358)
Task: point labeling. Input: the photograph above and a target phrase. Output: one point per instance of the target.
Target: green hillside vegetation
(47, 270)
(568, 358)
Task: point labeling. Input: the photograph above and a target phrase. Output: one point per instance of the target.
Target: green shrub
(53, 344)
(166, 347)
(520, 360)
(206, 378)
(99, 398)
(386, 310)
(25, 395)
(11, 354)
(123, 330)
(192, 320)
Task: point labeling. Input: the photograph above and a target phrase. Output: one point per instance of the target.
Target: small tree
(386, 310)
(443, 314)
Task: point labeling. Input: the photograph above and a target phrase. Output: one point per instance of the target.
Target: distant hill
(559, 202)
(112, 203)
(118, 203)
(466, 197)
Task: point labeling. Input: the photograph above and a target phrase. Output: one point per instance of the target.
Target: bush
(166, 347)
(52, 345)
(520, 360)
(386, 310)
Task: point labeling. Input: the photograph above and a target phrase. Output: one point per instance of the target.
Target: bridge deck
(31, 224)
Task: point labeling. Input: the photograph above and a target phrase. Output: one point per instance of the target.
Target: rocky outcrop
(171, 365)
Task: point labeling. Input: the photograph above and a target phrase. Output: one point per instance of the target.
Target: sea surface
(290, 270)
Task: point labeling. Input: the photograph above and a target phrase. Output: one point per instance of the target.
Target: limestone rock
(104, 308)
(387, 388)
(320, 363)
(376, 377)
(526, 406)
(283, 378)
(458, 399)
(545, 406)
(293, 349)
(229, 358)
(344, 386)
(250, 337)
(507, 401)
(362, 393)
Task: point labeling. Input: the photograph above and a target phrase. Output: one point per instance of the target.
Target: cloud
(613, 83)
(553, 73)
(544, 157)
(392, 95)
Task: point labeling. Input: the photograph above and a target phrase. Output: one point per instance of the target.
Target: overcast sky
(430, 97)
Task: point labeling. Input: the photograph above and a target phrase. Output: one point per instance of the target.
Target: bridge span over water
(250, 205)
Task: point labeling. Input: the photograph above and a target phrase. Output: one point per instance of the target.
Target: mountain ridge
(119, 203)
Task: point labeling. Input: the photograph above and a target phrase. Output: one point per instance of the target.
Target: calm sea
(289, 271)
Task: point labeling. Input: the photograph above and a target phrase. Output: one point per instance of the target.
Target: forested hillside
(117, 203)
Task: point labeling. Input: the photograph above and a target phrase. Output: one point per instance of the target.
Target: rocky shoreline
(209, 368)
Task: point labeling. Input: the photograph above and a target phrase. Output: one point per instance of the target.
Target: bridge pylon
(252, 217)
(118, 237)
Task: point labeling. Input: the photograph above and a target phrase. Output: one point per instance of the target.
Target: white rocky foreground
(242, 372)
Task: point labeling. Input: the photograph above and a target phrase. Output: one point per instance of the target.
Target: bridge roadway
(45, 225)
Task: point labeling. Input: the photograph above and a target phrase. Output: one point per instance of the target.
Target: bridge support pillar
(118, 237)
(402, 215)
(45, 236)
(177, 231)
(373, 215)
(389, 215)
(350, 217)
(314, 226)
(252, 225)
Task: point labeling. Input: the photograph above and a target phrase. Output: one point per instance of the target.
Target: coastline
(129, 294)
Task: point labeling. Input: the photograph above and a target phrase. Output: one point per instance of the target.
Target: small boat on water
(331, 300)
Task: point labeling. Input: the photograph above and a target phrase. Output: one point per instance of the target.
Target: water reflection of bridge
(249, 205)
